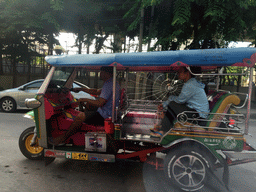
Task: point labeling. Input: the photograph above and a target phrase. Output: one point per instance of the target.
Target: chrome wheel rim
(7, 105)
(188, 171)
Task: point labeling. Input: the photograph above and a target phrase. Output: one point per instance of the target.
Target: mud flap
(216, 184)
(225, 176)
(48, 160)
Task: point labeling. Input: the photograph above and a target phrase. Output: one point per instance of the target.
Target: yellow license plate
(80, 156)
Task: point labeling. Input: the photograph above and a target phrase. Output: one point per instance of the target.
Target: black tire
(8, 105)
(34, 152)
(187, 168)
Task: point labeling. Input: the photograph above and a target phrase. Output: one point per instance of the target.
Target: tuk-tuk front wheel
(33, 152)
(187, 168)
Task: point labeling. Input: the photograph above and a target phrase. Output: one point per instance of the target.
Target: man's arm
(186, 92)
(99, 102)
(90, 91)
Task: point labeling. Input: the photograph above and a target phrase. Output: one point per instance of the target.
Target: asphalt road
(20, 174)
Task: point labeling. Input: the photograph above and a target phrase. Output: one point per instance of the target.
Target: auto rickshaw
(189, 151)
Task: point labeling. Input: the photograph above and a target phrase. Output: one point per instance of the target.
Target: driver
(103, 105)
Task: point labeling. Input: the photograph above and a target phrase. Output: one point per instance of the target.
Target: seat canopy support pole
(114, 94)
(249, 102)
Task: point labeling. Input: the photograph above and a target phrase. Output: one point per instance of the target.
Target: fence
(91, 79)
(22, 68)
(24, 74)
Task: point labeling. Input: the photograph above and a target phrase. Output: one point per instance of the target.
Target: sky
(239, 44)
(67, 40)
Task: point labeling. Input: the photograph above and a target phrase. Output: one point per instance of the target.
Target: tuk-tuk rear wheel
(187, 167)
(34, 152)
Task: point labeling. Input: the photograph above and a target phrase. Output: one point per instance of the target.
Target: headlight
(32, 103)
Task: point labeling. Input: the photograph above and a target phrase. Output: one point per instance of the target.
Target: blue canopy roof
(200, 57)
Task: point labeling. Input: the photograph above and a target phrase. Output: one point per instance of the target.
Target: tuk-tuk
(190, 151)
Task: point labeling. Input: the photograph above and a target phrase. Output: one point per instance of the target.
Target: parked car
(12, 99)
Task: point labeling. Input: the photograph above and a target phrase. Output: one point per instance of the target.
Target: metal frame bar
(249, 103)
(219, 73)
(114, 95)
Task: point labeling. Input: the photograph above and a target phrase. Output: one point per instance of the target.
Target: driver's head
(106, 72)
(185, 75)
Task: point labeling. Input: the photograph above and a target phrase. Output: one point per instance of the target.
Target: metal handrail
(217, 74)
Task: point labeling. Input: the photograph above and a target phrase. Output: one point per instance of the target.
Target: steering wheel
(81, 106)
(62, 89)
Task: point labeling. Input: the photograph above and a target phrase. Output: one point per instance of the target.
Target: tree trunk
(195, 42)
(28, 64)
(117, 45)
(124, 43)
(88, 48)
(89, 38)
(129, 45)
(150, 26)
(80, 42)
(80, 48)
(29, 70)
(100, 42)
(50, 46)
(141, 29)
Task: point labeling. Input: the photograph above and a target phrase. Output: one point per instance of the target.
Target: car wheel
(34, 152)
(8, 105)
(187, 168)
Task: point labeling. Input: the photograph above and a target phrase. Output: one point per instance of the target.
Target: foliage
(208, 23)
(233, 79)
(93, 20)
(25, 23)
(195, 23)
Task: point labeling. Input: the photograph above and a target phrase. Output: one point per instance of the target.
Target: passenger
(103, 105)
(192, 98)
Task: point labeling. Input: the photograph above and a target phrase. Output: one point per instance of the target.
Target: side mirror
(22, 88)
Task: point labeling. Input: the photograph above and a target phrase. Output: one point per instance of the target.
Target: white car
(12, 99)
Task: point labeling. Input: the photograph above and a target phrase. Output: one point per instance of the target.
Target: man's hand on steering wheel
(83, 104)
(76, 90)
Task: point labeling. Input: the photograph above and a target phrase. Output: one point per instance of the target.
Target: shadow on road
(154, 180)
(18, 111)
(122, 175)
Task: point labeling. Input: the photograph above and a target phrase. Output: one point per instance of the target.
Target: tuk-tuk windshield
(60, 77)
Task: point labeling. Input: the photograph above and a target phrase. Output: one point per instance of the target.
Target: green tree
(79, 17)
(208, 23)
(250, 18)
(95, 20)
(25, 23)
